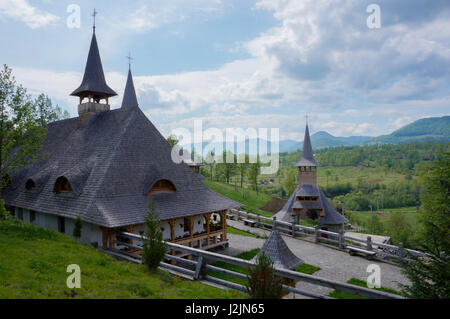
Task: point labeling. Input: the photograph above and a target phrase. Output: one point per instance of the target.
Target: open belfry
(308, 201)
(105, 166)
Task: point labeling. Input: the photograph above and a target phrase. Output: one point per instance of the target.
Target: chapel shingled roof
(275, 247)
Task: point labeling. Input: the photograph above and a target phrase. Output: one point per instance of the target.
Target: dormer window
(62, 185)
(30, 184)
(162, 186)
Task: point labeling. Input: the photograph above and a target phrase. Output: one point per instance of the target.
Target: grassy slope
(358, 282)
(33, 264)
(249, 198)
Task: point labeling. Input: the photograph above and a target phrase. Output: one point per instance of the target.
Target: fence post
(369, 243)
(341, 240)
(293, 229)
(316, 234)
(199, 268)
(274, 223)
(401, 250)
(259, 220)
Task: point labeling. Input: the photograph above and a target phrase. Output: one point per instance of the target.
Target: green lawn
(248, 255)
(33, 263)
(252, 201)
(232, 230)
(358, 282)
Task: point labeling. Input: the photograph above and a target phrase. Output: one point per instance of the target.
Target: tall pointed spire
(129, 96)
(307, 158)
(94, 84)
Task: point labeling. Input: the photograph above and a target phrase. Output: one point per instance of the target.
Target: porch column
(172, 238)
(207, 218)
(223, 217)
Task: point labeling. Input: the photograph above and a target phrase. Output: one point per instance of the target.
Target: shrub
(262, 282)
(154, 248)
(77, 228)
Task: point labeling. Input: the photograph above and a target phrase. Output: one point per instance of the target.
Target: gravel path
(335, 264)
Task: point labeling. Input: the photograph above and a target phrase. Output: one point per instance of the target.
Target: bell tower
(93, 89)
(307, 166)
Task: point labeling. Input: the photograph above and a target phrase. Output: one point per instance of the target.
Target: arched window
(62, 185)
(30, 184)
(162, 186)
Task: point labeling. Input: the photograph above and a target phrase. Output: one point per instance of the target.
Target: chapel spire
(307, 158)
(94, 85)
(129, 96)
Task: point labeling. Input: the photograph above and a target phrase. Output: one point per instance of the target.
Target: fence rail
(340, 240)
(197, 269)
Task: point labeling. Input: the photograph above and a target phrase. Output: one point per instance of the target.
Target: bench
(249, 222)
(231, 216)
(354, 250)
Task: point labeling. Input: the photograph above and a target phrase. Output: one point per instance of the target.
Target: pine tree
(262, 282)
(154, 248)
(77, 228)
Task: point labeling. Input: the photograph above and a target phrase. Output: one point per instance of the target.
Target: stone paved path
(335, 264)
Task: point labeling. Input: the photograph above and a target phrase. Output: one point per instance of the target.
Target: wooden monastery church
(308, 201)
(105, 165)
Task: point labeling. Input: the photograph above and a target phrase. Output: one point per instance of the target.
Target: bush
(154, 248)
(262, 282)
(77, 228)
(3, 212)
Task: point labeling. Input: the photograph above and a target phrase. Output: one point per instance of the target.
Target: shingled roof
(307, 158)
(94, 82)
(110, 163)
(331, 217)
(275, 247)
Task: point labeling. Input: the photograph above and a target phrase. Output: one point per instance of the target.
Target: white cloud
(21, 10)
(149, 16)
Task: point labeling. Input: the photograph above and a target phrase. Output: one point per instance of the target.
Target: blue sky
(262, 63)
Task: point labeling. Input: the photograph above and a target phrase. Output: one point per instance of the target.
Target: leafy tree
(172, 140)
(226, 170)
(328, 174)
(430, 278)
(262, 282)
(399, 228)
(242, 168)
(21, 132)
(210, 162)
(154, 247)
(253, 172)
(78, 224)
(289, 184)
(4, 214)
(46, 113)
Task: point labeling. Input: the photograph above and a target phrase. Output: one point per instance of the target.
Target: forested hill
(433, 128)
(400, 157)
(427, 129)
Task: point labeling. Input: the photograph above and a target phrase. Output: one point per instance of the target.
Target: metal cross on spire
(94, 14)
(129, 60)
(306, 117)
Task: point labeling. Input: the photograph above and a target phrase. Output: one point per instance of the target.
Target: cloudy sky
(242, 63)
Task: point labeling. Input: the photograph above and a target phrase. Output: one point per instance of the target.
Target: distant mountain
(433, 129)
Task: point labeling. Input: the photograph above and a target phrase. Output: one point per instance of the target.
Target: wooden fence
(196, 268)
(338, 240)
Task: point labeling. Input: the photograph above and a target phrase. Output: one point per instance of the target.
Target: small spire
(94, 14)
(129, 96)
(307, 158)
